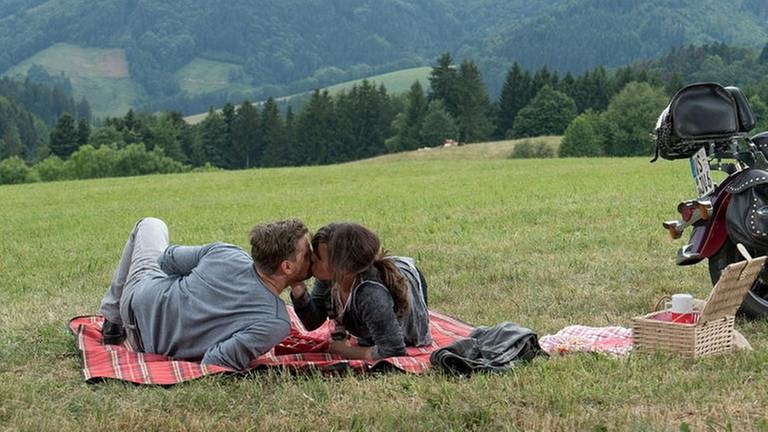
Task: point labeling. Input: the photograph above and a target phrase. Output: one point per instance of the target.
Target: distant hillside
(577, 35)
(188, 54)
(395, 82)
(99, 75)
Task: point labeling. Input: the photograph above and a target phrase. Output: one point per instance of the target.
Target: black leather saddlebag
(698, 113)
(747, 215)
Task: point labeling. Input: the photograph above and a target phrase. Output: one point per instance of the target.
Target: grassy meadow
(204, 74)
(395, 82)
(99, 75)
(544, 243)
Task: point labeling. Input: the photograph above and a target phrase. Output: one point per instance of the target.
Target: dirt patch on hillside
(109, 64)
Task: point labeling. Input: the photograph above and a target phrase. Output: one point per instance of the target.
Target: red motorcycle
(709, 125)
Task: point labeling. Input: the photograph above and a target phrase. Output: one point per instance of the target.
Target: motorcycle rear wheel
(755, 304)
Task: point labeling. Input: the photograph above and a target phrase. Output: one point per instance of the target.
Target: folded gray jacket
(492, 349)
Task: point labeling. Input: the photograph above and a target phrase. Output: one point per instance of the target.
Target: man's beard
(302, 277)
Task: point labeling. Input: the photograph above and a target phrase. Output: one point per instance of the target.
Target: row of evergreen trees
(599, 112)
(363, 122)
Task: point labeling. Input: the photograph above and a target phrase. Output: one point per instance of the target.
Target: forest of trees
(28, 109)
(599, 113)
(291, 46)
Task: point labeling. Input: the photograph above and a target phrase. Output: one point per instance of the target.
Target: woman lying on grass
(380, 299)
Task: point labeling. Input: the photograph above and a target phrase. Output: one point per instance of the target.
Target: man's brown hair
(272, 243)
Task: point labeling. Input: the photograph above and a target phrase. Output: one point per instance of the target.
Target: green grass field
(99, 75)
(205, 76)
(395, 82)
(544, 243)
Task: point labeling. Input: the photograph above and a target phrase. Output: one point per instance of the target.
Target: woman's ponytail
(394, 281)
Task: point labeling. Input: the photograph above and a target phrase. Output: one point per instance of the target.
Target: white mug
(682, 309)
(682, 303)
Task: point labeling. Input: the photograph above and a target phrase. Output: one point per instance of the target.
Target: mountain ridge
(280, 48)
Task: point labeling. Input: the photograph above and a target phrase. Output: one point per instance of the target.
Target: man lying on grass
(213, 303)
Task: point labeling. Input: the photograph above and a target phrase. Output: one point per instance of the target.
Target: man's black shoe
(111, 333)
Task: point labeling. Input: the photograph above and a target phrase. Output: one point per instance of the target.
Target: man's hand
(298, 289)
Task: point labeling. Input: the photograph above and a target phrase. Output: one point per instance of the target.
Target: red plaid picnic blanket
(614, 341)
(300, 351)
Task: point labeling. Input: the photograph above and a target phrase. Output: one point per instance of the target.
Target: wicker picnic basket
(713, 332)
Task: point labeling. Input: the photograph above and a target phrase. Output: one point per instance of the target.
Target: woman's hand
(342, 348)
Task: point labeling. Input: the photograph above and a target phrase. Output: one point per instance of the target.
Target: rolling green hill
(204, 76)
(395, 82)
(99, 75)
(190, 53)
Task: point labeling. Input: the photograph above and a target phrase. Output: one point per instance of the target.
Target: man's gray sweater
(209, 304)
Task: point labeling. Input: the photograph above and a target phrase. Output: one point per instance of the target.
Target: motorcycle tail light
(686, 209)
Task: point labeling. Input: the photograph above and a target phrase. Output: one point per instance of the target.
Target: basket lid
(729, 291)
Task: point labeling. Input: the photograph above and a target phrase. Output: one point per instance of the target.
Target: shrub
(14, 171)
(582, 137)
(107, 161)
(528, 149)
(549, 113)
(51, 169)
(135, 160)
(630, 116)
(206, 168)
(88, 162)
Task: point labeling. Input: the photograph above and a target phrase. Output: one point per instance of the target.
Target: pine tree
(473, 115)
(763, 58)
(228, 115)
(83, 132)
(442, 82)
(290, 136)
(567, 85)
(593, 90)
(167, 135)
(129, 121)
(541, 78)
(12, 143)
(674, 84)
(84, 110)
(214, 139)
(622, 76)
(316, 130)
(515, 94)
(273, 135)
(246, 139)
(413, 117)
(363, 122)
(438, 125)
(599, 90)
(63, 138)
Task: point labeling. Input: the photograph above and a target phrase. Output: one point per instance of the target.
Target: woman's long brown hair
(354, 248)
